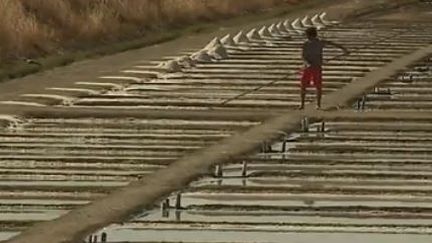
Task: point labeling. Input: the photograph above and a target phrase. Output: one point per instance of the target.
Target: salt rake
(292, 73)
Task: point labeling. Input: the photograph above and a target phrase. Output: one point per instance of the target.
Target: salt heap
(316, 21)
(326, 22)
(186, 61)
(218, 52)
(296, 24)
(228, 40)
(241, 38)
(213, 43)
(306, 22)
(281, 28)
(274, 31)
(264, 32)
(202, 56)
(288, 26)
(253, 35)
(171, 66)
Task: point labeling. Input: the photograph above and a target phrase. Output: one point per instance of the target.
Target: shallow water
(215, 236)
(287, 199)
(270, 217)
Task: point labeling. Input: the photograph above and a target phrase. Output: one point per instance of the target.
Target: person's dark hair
(311, 32)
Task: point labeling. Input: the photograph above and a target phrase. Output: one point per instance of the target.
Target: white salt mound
(202, 56)
(227, 40)
(281, 28)
(171, 66)
(273, 30)
(218, 52)
(241, 38)
(263, 32)
(289, 27)
(322, 18)
(324, 21)
(287, 24)
(306, 22)
(316, 21)
(296, 24)
(186, 61)
(253, 35)
(213, 43)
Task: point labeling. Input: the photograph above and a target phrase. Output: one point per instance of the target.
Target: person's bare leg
(318, 97)
(302, 97)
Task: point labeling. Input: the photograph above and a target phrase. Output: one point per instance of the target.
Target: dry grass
(31, 28)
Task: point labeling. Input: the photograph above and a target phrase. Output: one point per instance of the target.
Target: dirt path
(91, 69)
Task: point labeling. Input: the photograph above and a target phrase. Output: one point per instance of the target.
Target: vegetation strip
(152, 35)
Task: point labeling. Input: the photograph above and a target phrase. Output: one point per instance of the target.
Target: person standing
(313, 60)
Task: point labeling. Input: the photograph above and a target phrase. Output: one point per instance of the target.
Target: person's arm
(343, 48)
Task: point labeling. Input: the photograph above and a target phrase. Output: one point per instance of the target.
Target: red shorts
(311, 77)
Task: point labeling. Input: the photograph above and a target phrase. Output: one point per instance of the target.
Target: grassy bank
(59, 32)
